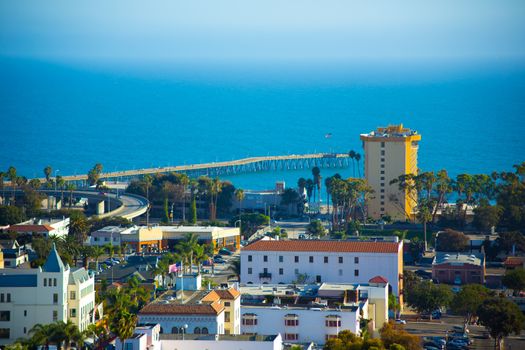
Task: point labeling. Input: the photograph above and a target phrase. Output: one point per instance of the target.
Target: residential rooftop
(218, 337)
(330, 246)
(458, 259)
(391, 131)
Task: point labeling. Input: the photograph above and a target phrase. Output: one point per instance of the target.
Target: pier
(233, 167)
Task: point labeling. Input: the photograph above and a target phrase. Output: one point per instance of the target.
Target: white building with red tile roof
(317, 261)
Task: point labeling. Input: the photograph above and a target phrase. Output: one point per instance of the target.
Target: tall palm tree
(358, 158)
(71, 187)
(352, 154)
(200, 256)
(316, 172)
(184, 182)
(215, 189)
(309, 189)
(47, 172)
(328, 186)
(110, 249)
(11, 174)
(239, 195)
(235, 267)
(96, 253)
(148, 181)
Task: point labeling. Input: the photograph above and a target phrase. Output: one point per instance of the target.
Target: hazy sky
(269, 30)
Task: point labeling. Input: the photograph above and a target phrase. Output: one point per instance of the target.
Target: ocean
(73, 115)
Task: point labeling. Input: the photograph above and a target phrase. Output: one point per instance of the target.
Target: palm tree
(2, 177)
(35, 184)
(235, 267)
(328, 186)
(186, 249)
(200, 256)
(184, 182)
(124, 326)
(309, 189)
(96, 253)
(215, 189)
(11, 174)
(352, 154)
(42, 334)
(47, 172)
(358, 158)
(148, 181)
(71, 187)
(110, 249)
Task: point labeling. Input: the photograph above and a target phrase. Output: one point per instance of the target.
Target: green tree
(501, 317)
(11, 174)
(235, 268)
(451, 241)
(123, 326)
(292, 200)
(94, 174)
(511, 196)
(42, 334)
(467, 301)
(47, 172)
(316, 228)
(487, 216)
(392, 334)
(393, 304)
(166, 217)
(426, 297)
(507, 241)
(10, 215)
(78, 226)
(515, 280)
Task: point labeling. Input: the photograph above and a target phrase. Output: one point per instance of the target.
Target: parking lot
(476, 333)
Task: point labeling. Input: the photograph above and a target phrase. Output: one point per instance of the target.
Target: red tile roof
(324, 246)
(181, 309)
(378, 279)
(228, 294)
(31, 228)
(514, 261)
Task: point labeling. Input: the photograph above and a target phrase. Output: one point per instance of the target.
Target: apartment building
(389, 153)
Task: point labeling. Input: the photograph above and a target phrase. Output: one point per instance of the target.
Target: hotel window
(5, 315)
(382, 166)
(291, 336)
(2, 300)
(382, 184)
(382, 178)
(265, 258)
(333, 321)
(291, 320)
(356, 260)
(382, 196)
(382, 159)
(249, 270)
(8, 297)
(356, 272)
(5, 333)
(227, 303)
(340, 272)
(296, 271)
(382, 152)
(55, 298)
(281, 271)
(72, 295)
(45, 282)
(382, 209)
(25, 330)
(382, 190)
(296, 259)
(249, 258)
(340, 260)
(25, 313)
(382, 203)
(249, 320)
(226, 316)
(311, 259)
(326, 260)
(55, 315)
(382, 172)
(281, 258)
(204, 330)
(382, 144)
(73, 313)
(54, 282)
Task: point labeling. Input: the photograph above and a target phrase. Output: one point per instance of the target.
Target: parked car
(208, 262)
(219, 260)
(437, 340)
(424, 274)
(430, 344)
(400, 321)
(224, 251)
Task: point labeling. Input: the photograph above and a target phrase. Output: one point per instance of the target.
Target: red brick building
(458, 268)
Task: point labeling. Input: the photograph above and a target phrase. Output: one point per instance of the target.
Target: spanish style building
(309, 261)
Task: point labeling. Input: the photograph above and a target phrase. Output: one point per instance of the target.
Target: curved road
(132, 205)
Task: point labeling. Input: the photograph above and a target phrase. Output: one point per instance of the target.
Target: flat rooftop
(219, 337)
(391, 131)
(458, 259)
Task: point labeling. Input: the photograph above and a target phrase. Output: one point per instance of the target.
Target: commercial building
(44, 295)
(389, 153)
(157, 238)
(193, 310)
(317, 261)
(314, 313)
(219, 237)
(457, 268)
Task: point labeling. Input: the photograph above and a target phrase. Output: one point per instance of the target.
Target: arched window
(197, 330)
(175, 330)
(204, 330)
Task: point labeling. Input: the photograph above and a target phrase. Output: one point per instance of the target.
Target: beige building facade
(389, 153)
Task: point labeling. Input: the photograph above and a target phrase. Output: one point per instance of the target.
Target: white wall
(311, 328)
(215, 324)
(370, 265)
(221, 345)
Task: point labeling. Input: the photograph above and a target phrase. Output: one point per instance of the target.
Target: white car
(400, 321)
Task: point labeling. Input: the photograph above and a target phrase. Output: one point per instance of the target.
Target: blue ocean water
(71, 116)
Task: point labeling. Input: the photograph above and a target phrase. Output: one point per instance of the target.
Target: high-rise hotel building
(389, 153)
